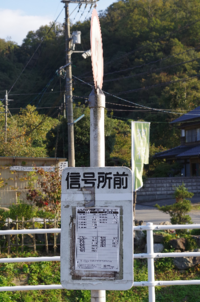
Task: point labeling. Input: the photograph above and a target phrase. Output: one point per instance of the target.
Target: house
(188, 153)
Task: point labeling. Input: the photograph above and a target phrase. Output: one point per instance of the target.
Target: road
(148, 213)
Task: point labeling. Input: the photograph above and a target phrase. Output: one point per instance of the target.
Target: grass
(49, 272)
(196, 207)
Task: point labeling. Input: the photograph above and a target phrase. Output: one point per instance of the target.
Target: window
(191, 135)
(198, 134)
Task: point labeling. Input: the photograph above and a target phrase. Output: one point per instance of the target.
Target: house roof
(194, 151)
(179, 152)
(194, 114)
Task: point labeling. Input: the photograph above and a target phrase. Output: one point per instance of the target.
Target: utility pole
(64, 105)
(6, 115)
(70, 46)
(69, 97)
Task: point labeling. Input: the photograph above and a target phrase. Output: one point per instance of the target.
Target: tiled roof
(188, 116)
(194, 151)
(172, 152)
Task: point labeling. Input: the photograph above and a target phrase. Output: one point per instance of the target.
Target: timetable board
(97, 239)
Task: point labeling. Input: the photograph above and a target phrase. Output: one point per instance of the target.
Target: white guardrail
(150, 255)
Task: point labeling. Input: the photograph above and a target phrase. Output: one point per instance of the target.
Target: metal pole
(97, 151)
(6, 112)
(70, 118)
(150, 262)
(97, 136)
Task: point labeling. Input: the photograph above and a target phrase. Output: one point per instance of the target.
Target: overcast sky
(18, 17)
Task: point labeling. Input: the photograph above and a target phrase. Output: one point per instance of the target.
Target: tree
(26, 133)
(47, 194)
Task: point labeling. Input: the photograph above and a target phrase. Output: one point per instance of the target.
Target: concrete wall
(163, 187)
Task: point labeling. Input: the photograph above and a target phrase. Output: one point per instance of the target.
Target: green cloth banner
(140, 132)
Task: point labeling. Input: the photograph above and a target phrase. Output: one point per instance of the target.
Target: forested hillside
(151, 51)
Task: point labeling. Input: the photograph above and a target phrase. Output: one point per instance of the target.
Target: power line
(139, 105)
(153, 71)
(158, 85)
(126, 118)
(34, 53)
(146, 64)
(145, 46)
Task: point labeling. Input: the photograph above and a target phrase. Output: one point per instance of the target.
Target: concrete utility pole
(6, 115)
(97, 151)
(69, 96)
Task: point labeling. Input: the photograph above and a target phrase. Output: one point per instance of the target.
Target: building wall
(9, 193)
(163, 187)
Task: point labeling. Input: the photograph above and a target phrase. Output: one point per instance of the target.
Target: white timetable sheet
(97, 239)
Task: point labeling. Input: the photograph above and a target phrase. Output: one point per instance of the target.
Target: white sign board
(97, 239)
(97, 228)
(61, 165)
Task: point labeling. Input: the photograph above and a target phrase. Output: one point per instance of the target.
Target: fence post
(22, 234)
(34, 241)
(46, 237)
(150, 262)
(8, 235)
(16, 234)
(55, 237)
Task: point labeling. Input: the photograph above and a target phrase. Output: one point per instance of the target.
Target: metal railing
(150, 256)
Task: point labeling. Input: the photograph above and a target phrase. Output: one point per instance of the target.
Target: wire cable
(150, 72)
(33, 54)
(145, 46)
(139, 105)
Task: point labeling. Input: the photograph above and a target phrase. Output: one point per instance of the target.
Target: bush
(178, 211)
(22, 210)
(181, 192)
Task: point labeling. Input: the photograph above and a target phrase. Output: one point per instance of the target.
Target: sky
(21, 16)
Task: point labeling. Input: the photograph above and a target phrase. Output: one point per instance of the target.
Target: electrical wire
(36, 109)
(152, 62)
(146, 64)
(139, 105)
(33, 54)
(74, 10)
(89, 12)
(116, 104)
(145, 46)
(150, 72)
(159, 85)
(126, 118)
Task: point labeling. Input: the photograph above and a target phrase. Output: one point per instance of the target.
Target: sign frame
(93, 197)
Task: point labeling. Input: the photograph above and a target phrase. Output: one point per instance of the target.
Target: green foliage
(181, 192)
(26, 133)
(117, 139)
(195, 232)
(49, 273)
(145, 43)
(22, 210)
(165, 170)
(45, 214)
(190, 243)
(178, 211)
